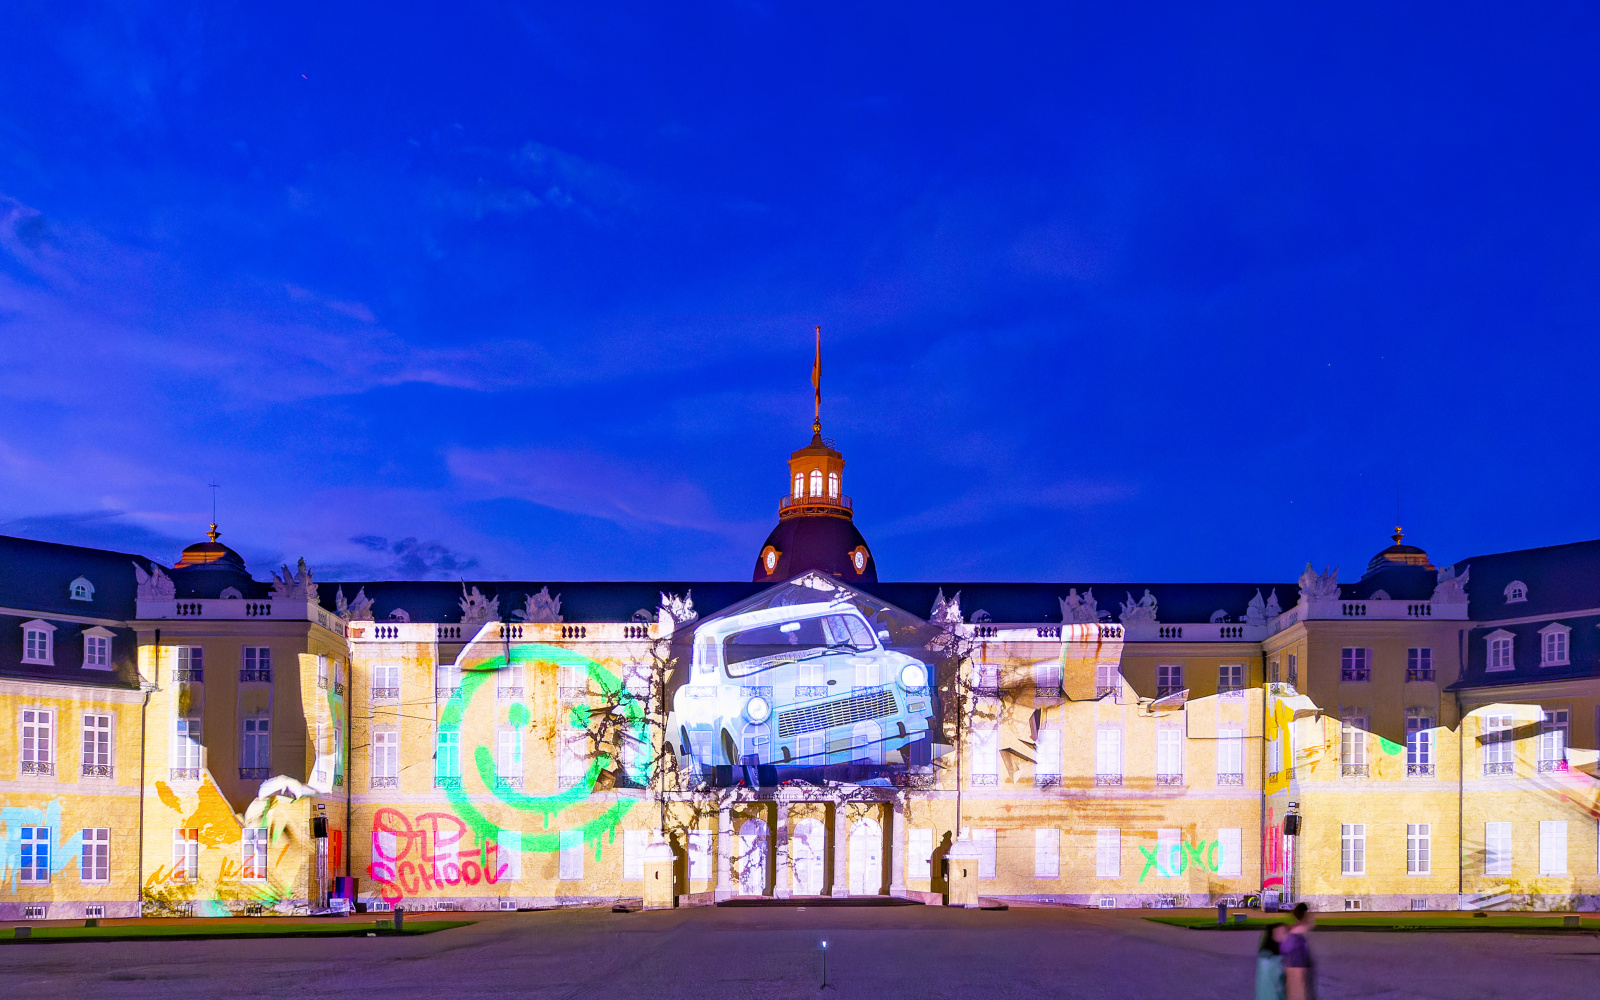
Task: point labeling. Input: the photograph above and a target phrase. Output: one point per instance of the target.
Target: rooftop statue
(1322, 586)
(1274, 609)
(946, 612)
(296, 587)
(154, 585)
(1142, 611)
(358, 610)
(476, 608)
(541, 607)
(1081, 609)
(680, 608)
(1255, 613)
(1452, 589)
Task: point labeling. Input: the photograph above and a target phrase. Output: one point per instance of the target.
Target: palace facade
(190, 740)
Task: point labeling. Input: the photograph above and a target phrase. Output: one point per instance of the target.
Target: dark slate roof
(821, 542)
(616, 602)
(1583, 653)
(35, 576)
(1560, 578)
(68, 649)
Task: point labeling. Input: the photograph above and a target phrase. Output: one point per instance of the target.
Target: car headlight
(913, 676)
(757, 709)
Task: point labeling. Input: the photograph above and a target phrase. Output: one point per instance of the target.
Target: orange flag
(816, 373)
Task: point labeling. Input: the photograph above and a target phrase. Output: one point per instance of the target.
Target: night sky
(1107, 292)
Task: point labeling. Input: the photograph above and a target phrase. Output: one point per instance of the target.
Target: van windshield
(770, 646)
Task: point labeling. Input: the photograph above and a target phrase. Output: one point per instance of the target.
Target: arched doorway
(866, 858)
(751, 863)
(809, 852)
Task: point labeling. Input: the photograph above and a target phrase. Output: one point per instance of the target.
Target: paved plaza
(879, 954)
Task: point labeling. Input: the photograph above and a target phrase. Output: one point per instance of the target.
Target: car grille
(843, 712)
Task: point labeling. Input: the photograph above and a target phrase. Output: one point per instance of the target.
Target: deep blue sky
(1109, 292)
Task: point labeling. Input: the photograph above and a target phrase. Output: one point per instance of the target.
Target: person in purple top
(1299, 967)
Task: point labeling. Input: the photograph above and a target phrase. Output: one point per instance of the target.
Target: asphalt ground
(923, 953)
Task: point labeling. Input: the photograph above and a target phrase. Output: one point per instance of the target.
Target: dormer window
(1516, 592)
(97, 648)
(816, 482)
(81, 589)
(1554, 645)
(38, 643)
(799, 484)
(1501, 646)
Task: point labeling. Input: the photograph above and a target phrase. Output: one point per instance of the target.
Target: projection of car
(798, 686)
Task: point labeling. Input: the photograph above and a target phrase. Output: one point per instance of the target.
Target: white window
(985, 840)
(1294, 669)
(1169, 852)
(633, 844)
(253, 854)
(1169, 679)
(1419, 848)
(1230, 678)
(919, 854)
(385, 681)
(446, 680)
(987, 680)
(1355, 664)
(34, 854)
(1516, 591)
(81, 589)
(1108, 853)
(97, 648)
(1047, 676)
(572, 760)
(1049, 753)
(94, 856)
(833, 484)
(1230, 756)
(508, 682)
(799, 484)
(386, 758)
(816, 482)
(257, 749)
(1419, 742)
(447, 755)
(1169, 756)
(186, 747)
(508, 758)
(38, 741)
(985, 756)
(1553, 739)
(699, 855)
(1353, 848)
(1046, 853)
(1419, 663)
(1501, 655)
(1108, 681)
(1353, 741)
(571, 863)
(636, 755)
(38, 642)
(1230, 851)
(256, 664)
(97, 745)
(508, 850)
(637, 680)
(185, 855)
(1553, 847)
(1108, 754)
(1497, 848)
(1553, 645)
(191, 664)
(1499, 747)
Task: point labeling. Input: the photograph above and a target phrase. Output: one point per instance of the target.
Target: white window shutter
(1230, 860)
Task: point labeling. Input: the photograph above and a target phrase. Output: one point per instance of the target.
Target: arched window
(799, 484)
(816, 482)
(833, 485)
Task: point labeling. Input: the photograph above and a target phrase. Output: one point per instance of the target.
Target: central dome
(830, 545)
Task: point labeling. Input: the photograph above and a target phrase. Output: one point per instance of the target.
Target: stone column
(724, 852)
(897, 845)
(841, 850)
(782, 875)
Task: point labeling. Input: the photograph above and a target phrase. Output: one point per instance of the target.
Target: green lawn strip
(200, 932)
(1541, 923)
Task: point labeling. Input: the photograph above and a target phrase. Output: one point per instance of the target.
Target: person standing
(1269, 963)
(1299, 967)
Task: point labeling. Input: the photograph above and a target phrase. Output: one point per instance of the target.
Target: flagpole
(816, 383)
